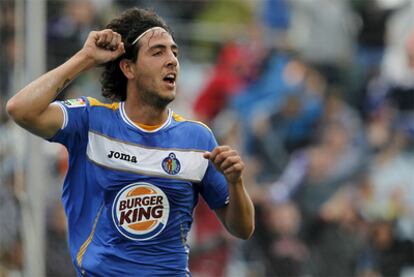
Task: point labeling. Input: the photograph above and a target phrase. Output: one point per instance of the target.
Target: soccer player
(136, 168)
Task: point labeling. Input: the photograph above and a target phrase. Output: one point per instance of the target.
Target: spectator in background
(370, 42)
(6, 58)
(287, 254)
(390, 191)
(10, 244)
(395, 66)
(313, 181)
(285, 127)
(386, 254)
(373, 18)
(331, 162)
(7, 44)
(337, 110)
(323, 32)
(275, 16)
(230, 74)
(390, 132)
(280, 75)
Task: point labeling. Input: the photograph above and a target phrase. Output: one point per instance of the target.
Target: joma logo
(122, 156)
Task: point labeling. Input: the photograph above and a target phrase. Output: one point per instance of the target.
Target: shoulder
(191, 124)
(196, 134)
(93, 102)
(88, 102)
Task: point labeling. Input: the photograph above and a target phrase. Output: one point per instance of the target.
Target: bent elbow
(12, 109)
(16, 111)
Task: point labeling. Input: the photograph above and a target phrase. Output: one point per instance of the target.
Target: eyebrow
(163, 46)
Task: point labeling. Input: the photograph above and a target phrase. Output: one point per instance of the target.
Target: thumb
(207, 155)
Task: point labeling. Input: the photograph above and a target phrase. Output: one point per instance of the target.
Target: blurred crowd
(318, 96)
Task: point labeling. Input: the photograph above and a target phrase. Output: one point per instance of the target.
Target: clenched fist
(103, 46)
(227, 161)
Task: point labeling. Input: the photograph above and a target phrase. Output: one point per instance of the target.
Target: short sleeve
(74, 129)
(214, 187)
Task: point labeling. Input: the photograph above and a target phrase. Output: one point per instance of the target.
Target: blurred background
(317, 96)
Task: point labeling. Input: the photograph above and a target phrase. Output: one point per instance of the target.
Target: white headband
(143, 34)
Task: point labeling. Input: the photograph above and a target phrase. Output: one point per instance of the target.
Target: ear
(128, 68)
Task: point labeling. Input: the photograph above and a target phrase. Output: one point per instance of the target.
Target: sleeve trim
(65, 115)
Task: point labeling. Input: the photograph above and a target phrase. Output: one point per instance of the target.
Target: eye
(175, 53)
(158, 53)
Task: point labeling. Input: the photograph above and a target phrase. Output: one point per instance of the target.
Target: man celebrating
(135, 167)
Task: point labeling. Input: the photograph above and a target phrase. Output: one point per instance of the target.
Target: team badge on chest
(171, 164)
(140, 211)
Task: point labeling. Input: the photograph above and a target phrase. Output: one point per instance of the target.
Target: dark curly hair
(130, 24)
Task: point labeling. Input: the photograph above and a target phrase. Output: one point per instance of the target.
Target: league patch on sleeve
(74, 103)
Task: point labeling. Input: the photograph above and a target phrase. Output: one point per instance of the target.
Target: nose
(172, 60)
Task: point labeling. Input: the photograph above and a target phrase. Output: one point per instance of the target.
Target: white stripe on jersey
(120, 155)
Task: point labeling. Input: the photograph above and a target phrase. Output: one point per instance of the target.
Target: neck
(143, 113)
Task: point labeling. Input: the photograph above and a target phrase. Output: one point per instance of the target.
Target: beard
(150, 96)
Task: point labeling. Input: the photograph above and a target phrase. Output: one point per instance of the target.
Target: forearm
(30, 102)
(239, 217)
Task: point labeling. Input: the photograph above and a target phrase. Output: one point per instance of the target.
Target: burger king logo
(140, 211)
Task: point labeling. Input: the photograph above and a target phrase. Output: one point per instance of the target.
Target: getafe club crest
(171, 164)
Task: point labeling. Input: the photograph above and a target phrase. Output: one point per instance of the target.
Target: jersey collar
(128, 121)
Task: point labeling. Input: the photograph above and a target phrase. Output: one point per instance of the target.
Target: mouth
(170, 79)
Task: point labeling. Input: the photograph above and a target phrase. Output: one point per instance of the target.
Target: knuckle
(226, 148)
(220, 156)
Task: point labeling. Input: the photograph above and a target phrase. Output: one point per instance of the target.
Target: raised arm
(31, 107)
(238, 215)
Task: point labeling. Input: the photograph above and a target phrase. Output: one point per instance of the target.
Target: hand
(227, 161)
(103, 46)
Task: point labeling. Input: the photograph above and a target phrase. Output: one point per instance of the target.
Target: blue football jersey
(129, 193)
